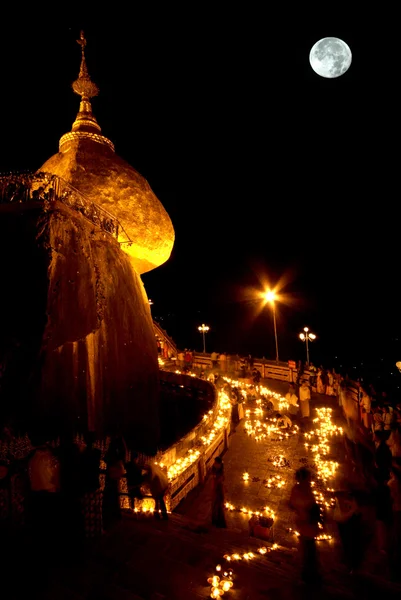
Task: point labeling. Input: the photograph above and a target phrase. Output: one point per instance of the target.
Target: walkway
(145, 559)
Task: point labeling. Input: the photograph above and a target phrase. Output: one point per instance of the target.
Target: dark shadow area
(181, 409)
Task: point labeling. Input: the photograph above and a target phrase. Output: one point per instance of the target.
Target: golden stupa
(87, 161)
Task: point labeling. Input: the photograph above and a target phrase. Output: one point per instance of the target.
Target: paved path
(145, 559)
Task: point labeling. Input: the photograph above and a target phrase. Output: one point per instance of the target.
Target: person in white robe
(292, 400)
(304, 398)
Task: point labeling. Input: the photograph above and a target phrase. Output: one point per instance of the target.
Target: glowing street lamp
(204, 329)
(307, 337)
(272, 297)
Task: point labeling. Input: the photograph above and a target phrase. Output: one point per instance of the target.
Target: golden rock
(87, 161)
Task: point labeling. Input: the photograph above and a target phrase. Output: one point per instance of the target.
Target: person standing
(44, 503)
(304, 399)
(302, 501)
(134, 478)
(157, 481)
(115, 459)
(292, 400)
(330, 383)
(383, 462)
(321, 381)
(223, 362)
(348, 518)
(218, 504)
(68, 453)
(91, 494)
(387, 418)
(312, 375)
(394, 485)
(365, 403)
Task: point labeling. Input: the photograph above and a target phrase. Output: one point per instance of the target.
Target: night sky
(269, 172)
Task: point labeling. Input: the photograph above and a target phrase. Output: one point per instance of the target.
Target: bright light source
(270, 296)
(302, 336)
(306, 329)
(312, 336)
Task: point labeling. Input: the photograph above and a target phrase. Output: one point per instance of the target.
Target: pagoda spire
(85, 126)
(84, 87)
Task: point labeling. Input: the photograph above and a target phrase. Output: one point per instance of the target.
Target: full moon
(330, 57)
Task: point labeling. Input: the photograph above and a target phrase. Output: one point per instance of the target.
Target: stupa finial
(84, 87)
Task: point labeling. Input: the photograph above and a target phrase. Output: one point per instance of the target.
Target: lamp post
(271, 297)
(307, 337)
(204, 329)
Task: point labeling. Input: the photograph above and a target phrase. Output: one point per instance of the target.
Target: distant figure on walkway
(312, 375)
(218, 504)
(157, 481)
(223, 361)
(256, 376)
(321, 381)
(365, 404)
(214, 357)
(302, 501)
(383, 457)
(348, 518)
(330, 383)
(292, 400)
(283, 421)
(394, 440)
(188, 359)
(304, 398)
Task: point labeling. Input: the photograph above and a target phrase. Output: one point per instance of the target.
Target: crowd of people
(73, 489)
(45, 188)
(368, 495)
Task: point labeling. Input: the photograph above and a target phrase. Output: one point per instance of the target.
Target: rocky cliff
(77, 345)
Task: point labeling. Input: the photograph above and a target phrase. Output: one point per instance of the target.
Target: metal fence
(18, 188)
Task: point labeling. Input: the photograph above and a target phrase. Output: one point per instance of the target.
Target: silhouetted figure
(134, 478)
(115, 459)
(383, 457)
(256, 376)
(394, 485)
(302, 501)
(218, 502)
(44, 499)
(68, 454)
(91, 495)
(348, 518)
